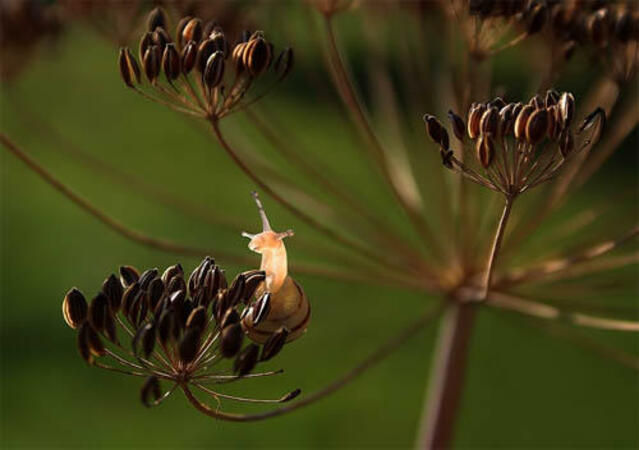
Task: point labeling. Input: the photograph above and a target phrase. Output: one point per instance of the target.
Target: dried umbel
(513, 147)
(198, 71)
(181, 329)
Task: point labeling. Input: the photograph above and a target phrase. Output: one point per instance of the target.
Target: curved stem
(499, 235)
(377, 356)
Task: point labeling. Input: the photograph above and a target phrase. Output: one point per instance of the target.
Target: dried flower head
(181, 329)
(198, 71)
(513, 147)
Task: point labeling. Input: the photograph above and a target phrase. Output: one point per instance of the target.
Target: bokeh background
(525, 388)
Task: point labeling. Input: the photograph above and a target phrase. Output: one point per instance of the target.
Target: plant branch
(499, 235)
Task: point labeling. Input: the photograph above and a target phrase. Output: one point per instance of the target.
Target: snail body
(288, 304)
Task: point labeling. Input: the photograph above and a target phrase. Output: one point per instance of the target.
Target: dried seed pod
(177, 284)
(155, 293)
(192, 31)
(128, 275)
(188, 57)
(98, 311)
(110, 329)
(485, 149)
(165, 326)
(231, 340)
(150, 391)
(522, 121)
(552, 97)
(197, 319)
(129, 70)
(261, 308)
(566, 143)
(553, 126)
(230, 317)
(537, 101)
(236, 291)
(204, 52)
(253, 279)
(156, 18)
(498, 103)
(146, 278)
(128, 298)
(175, 270)
(436, 131)
(146, 41)
(506, 119)
(144, 339)
(214, 70)
(161, 38)
(489, 121)
(458, 125)
(74, 308)
(220, 42)
(256, 56)
(474, 118)
(112, 288)
(284, 63)
(83, 343)
(537, 126)
(179, 29)
(189, 345)
(246, 360)
(236, 56)
(274, 343)
(566, 108)
(171, 62)
(96, 347)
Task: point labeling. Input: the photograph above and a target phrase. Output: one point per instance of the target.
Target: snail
(280, 296)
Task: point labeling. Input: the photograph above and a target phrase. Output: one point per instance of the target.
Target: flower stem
(447, 377)
(499, 235)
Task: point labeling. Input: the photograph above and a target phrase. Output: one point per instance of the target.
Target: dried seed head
(188, 57)
(156, 18)
(457, 124)
(237, 56)
(485, 149)
(522, 121)
(246, 360)
(112, 288)
(192, 31)
(489, 121)
(274, 343)
(129, 70)
(566, 109)
(98, 310)
(128, 275)
(474, 118)
(74, 308)
(231, 340)
(214, 70)
(171, 62)
(537, 126)
(284, 63)
(150, 391)
(204, 52)
(436, 131)
(189, 345)
(257, 55)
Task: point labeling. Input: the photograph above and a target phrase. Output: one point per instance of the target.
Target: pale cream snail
(286, 303)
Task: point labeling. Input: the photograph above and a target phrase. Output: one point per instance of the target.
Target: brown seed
(236, 56)
(489, 121)
(144, 339)
(474, 117)
(498, 103)
(598, 27)
(566, 108)
(623, 26)
(192, 31)
(231, 340)
(257, 56)
(506, 119)
(161, 38)
(537, 101)
(433, 128)
(522, 121)
(112, 288)
(74, 308)
(254, 279)
(246, 360)
(172, 271)
(204, 52)
(536, 18)
(188, 57)
(553, 126)
(537, 126)
(284, 63)
(230, 317)
(150, 391)
(110, 329)
(197, 319)
(146, 278)
(146, 41)
(151, 63)
(236, 291)
(165, 326)
(552, 97)
(221, 44)
(214, 70)
(83, 343)
(129, 70)
(171, 62)
(189, 345)
(176, 284)
(485, 149)
(290, 396)
(155, 293)
(274, 344)
(261, 308)
(98, 311)
(128, 298)
(156, 18)
(96, 347)
(566, 143)
(458, 125)
(128, 275)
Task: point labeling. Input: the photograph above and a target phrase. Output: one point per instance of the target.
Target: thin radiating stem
(499, 235)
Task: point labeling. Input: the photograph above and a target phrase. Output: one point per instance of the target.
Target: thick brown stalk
(446, 383)
(380, 354)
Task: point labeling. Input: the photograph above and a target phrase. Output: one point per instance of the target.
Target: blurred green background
(524, 389)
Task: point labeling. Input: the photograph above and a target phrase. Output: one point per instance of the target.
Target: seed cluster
(513, 146)
(532, 14)
(180, 329)
(192, 73)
